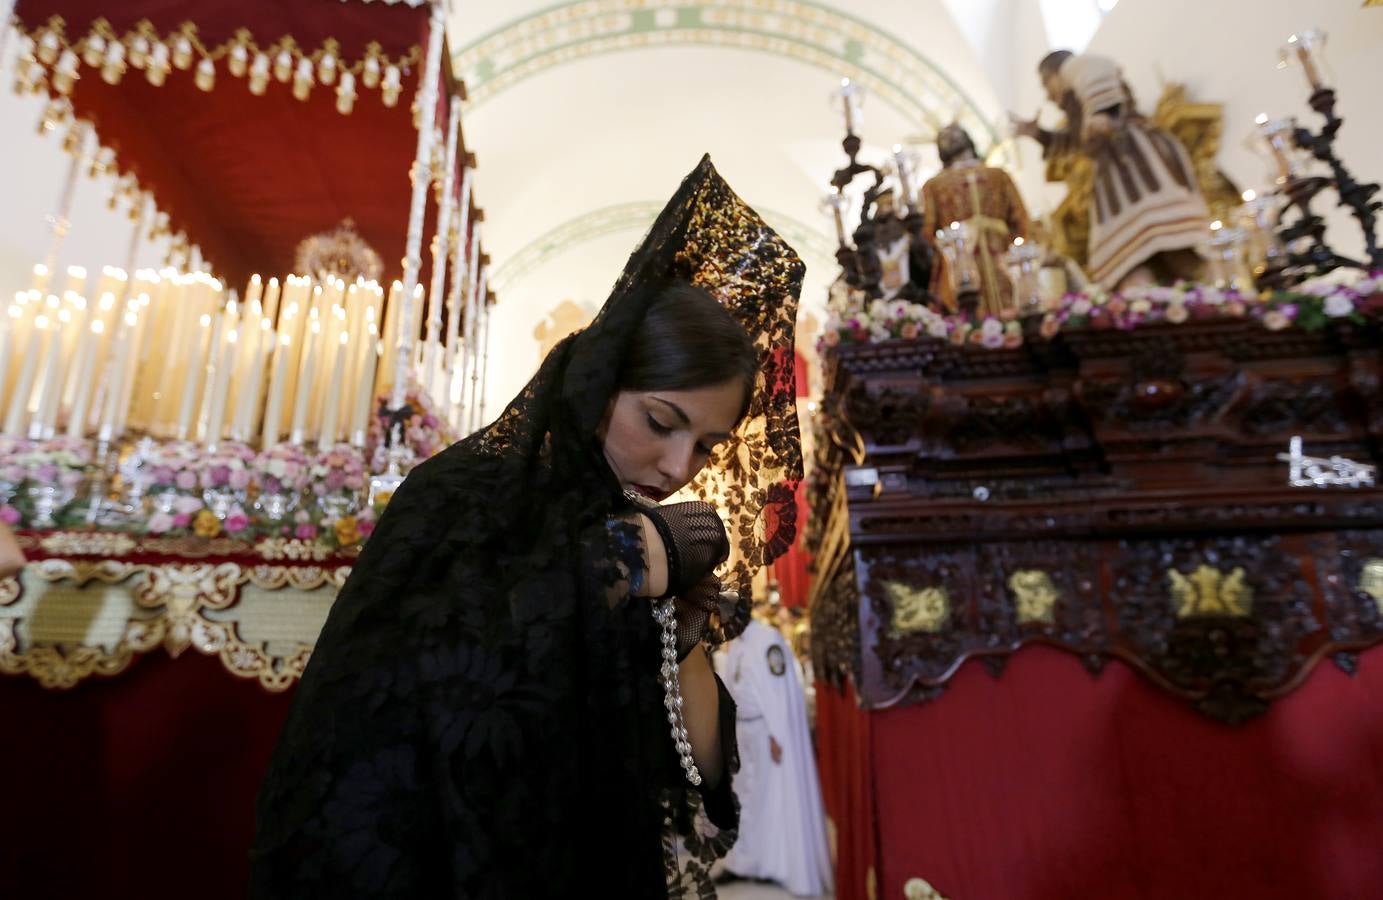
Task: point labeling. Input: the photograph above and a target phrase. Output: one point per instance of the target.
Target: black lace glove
(694, 537)
(708, 612)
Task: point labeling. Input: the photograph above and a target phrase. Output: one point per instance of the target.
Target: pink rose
(355, 482)
(1176, 313)
(306, 531)
(10, 516)
(181, 520)
(186, 505)
(240, 479)
(1234, 308)
(366, 527)
(186, 480)
(160, 522)
(1275, 320)
(237, 520)
(831, 338)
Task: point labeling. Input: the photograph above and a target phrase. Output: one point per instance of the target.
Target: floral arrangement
(228, 467)
(172, 466)
(337, 472)
(423, 432)
(282, 469)
(1343, 295)
(53, 467)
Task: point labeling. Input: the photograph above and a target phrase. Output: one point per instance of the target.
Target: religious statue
(1147, 213)
(893, 260)
(984, 200)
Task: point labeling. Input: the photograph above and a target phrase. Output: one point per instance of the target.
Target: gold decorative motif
(110, 571)
(177, 598)
(1371, 581)
(1208, 592)
(918, 609)
(563, 319)
(339, 253)
(1036, 596)
(301, 578)
(921, 889)
(87, 543)
(293, 549)
(182, 591)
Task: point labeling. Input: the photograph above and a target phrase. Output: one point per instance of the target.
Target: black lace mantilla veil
(476, 721)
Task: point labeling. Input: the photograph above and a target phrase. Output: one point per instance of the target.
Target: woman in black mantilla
(487, 711)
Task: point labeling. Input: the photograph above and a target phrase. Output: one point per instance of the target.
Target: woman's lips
(651, 493)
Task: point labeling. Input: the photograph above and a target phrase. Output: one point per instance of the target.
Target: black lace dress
(477, 720)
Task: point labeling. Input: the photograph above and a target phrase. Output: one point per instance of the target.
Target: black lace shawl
(476, 721)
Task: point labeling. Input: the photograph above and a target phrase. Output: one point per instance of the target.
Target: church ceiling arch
(817, 251)
(818, 35)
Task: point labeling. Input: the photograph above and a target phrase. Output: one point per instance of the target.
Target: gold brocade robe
(988, 200)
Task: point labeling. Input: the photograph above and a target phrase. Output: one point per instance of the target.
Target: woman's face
(656, 441)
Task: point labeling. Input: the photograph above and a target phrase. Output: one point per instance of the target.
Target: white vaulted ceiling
(584, 116)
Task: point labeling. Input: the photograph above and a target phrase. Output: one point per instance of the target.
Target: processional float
(256, 138)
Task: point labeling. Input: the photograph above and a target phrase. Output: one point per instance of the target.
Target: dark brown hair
(1052, 62)
(688, 340)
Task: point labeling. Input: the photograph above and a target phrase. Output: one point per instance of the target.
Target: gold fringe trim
(177, 596)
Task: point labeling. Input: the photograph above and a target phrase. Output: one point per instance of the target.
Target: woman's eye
(658, 427)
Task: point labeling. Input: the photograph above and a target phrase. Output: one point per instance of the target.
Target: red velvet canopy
(247, 177)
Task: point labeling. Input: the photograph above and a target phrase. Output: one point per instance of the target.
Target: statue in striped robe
(1147, 215)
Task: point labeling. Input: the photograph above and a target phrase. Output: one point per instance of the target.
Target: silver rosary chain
(672, 688)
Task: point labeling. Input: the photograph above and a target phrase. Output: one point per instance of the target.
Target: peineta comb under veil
(476, 721)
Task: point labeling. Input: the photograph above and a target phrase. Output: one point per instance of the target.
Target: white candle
(364, 392)
(207, 343)
(338, 373)
(271, 302)
(245, 383)
(127, 360)
(273, 413)
(17, 417)
(297, 434)
(392, 312)
(112, 414)
(86, 365)
(217, 414)
(50, 377)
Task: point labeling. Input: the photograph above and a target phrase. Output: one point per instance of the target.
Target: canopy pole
(484, 361)
(432, 361)
(58, 222)
(427, 114)
(477, 309)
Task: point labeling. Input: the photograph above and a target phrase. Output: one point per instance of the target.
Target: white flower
(1337, 305)
(992, 328)
(878, 309)
(879, 333)
(901, 309)
(1141, 306)
(1212, 296)
(1367, 286)
(1080, 307)
(936, 327)
(278, 468)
